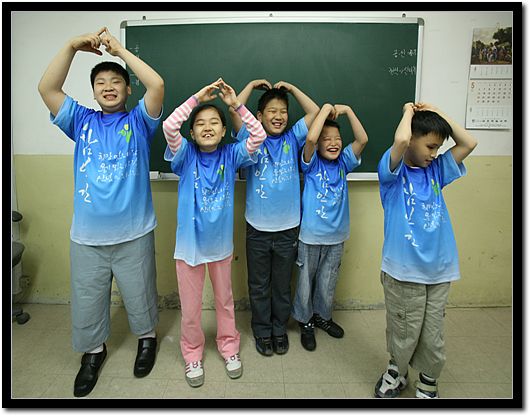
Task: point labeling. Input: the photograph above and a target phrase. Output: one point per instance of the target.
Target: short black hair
(109, 66)
(271, 94)
(202, 107)
(331, 123)
(425, 122)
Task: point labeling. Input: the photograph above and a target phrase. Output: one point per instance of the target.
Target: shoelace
(194, 364)
(233, 358)
(325, 325)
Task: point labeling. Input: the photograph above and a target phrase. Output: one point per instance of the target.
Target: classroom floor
(478, 344)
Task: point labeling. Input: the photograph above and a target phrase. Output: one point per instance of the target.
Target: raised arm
(359, 134)
(51, 83)
(314, 131)
(308, 105)
(154, 84)
(402, 136)
(244, 95)
(465, 142)
(257, 133)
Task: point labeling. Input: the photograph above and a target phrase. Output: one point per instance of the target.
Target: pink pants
(191, 283)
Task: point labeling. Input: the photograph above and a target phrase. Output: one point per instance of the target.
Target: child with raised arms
(205, 218)
(420, 257)
(273, 210)
(325, 219)
(112, 233)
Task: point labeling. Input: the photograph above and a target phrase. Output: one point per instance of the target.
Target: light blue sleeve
(300, 132)
(151, 124)
(306, 167)
(449, 169)
(242, 134)
(177, 159)
(67, 115)
(242, 158)
(349, 159)
(386, 176)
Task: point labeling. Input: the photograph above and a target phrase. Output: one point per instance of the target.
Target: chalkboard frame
(271, 18)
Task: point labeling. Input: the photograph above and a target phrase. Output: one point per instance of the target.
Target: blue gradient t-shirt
(273, 184)
(419, 243)
(112, 192)
(205, 213)
(325, 206)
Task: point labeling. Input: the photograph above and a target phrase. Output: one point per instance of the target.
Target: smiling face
(208, 129)
(274, 117)
(111, 91)
(329, 143)
(422, 150)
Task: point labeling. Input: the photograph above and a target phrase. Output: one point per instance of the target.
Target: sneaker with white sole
(391, 383)
(234, 368)
(195, 373)
(426, 389)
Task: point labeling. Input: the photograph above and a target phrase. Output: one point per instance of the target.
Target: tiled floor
(478, 342)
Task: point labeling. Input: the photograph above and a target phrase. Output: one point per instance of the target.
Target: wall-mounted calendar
(489, 94)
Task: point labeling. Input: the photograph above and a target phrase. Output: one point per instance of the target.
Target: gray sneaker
(391, 383)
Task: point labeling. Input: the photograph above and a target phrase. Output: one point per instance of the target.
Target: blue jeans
(318, 272)
(270, 261)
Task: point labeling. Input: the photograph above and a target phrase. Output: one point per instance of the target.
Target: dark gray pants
(270, 260)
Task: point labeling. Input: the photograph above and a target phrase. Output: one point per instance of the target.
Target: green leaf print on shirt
(221, 171)
(126, 132)
(286, 147)
(435, 187)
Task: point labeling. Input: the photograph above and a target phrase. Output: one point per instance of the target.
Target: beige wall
(480, 206)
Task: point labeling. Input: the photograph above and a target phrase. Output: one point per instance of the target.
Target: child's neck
(208, 149)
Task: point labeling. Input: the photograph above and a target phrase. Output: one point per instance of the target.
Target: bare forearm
(402, 138)
(51, 83)
(147, 75)
(307, 104)
(359, 134)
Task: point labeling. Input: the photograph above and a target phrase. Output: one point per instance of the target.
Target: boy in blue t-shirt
(325, 219)
(113, 222)
(273, 211)
(420, 258)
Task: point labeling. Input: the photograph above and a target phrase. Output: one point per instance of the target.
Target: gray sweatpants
(414, 319)
(92, 267)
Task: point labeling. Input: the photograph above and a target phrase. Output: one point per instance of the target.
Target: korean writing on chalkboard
(403, 53)
(402, 70)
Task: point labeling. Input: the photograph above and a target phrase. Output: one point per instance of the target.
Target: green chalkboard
(371, 66)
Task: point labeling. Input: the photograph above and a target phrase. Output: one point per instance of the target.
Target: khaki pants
(414, 331)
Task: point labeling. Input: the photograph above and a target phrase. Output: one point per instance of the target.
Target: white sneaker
(195, 373)
(234, 368)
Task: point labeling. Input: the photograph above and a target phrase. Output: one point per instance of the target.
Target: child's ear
(259, 116)
(191, 133)
(129, 90)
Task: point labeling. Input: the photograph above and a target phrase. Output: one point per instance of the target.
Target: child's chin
(331, 156)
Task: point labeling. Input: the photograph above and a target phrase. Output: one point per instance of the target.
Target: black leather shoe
(88, 373)
(145, 357)
(280, 344)
(307, 335)
(264, 345)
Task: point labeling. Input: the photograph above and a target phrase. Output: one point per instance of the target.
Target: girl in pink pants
(205, 219)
